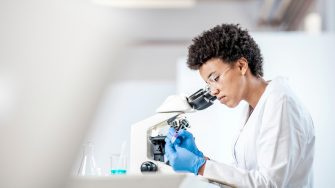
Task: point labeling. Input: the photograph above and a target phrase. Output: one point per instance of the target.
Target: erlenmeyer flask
(88, 166)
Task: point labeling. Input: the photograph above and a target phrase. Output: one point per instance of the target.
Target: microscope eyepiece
(201, 99)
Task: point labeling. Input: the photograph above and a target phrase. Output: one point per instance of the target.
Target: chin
(231, 104)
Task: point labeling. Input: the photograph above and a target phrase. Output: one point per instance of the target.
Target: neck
(255, 89)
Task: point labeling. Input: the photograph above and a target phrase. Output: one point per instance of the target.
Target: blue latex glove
(182, 159)
(185, 140)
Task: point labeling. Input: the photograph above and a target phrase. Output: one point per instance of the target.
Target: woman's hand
(182, 159)
(185, 140)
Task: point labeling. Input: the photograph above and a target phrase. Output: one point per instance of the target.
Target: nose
(214, 91)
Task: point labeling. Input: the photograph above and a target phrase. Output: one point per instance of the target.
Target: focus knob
(148, 166)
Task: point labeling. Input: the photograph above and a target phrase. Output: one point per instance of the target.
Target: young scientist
(275, 146)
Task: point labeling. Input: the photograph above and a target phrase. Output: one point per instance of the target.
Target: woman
(275, 146)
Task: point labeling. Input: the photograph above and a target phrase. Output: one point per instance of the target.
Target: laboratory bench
(142, 181)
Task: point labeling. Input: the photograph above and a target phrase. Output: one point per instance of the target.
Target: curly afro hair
(227, 42)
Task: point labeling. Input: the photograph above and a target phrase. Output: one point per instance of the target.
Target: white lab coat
(275, 146)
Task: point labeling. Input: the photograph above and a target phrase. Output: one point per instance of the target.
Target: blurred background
(78, 71)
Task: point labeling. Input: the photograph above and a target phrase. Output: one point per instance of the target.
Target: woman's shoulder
(279, 90)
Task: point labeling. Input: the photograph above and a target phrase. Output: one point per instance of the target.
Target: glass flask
(88, 165)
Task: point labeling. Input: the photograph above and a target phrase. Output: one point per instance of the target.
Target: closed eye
(216, 78)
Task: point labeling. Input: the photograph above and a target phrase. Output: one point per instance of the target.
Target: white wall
(54, 61)
(326, 8)
(307, 61)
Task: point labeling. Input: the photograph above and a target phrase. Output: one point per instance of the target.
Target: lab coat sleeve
(278, 146)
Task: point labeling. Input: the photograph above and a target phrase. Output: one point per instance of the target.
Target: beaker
(118, 164)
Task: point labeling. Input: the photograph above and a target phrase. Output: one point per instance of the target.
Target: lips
(222, 97)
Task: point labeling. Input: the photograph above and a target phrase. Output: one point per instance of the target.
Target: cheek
(234, 90)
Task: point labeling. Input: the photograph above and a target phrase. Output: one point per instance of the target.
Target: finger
(173, 139)
(185, 134)
(169, 147)
(167, 140)
(181, 149)
(172, 131)
(170, 152)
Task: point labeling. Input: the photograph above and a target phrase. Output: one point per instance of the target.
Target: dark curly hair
(227, 42)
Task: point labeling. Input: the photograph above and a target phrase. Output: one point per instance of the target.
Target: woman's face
(227, 82)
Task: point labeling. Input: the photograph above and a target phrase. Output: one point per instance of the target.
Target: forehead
(212, 66)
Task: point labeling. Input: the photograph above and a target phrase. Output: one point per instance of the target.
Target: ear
(242, 65)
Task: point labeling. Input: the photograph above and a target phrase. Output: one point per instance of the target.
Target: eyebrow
(210, 75)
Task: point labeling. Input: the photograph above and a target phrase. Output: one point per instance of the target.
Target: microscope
(147, 136)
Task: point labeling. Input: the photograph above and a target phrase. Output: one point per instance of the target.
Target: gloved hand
(185, 140)
(182, 159)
